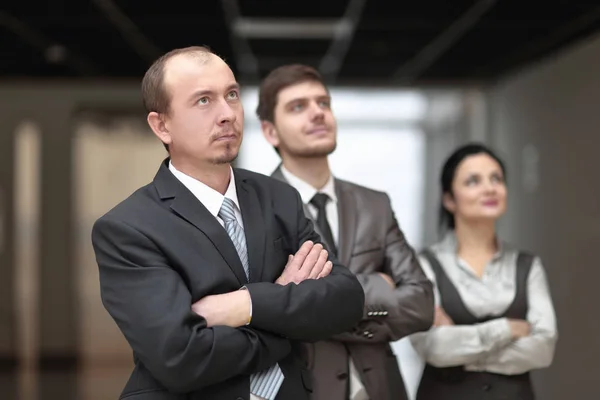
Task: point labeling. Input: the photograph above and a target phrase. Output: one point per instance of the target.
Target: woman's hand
(441, 318)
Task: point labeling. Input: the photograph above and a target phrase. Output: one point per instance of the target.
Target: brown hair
(154, 94)
(279, 79)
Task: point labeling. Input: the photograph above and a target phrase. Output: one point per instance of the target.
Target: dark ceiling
(352, 41)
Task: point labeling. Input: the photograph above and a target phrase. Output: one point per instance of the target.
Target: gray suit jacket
(370, 241)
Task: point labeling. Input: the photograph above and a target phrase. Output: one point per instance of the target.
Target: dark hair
(446, 221)
(279, 79)
(155, 96)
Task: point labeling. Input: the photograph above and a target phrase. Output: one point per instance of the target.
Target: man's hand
(229, 309)
(310, 262)
(441, 318)
(388, 279)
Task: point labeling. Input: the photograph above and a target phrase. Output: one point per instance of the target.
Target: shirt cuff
(250, 316)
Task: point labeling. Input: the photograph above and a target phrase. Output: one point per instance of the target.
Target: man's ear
(270, 133)
(159, 127)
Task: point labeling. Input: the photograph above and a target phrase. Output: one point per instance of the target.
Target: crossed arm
(312, 300)
(151, 305)
(399, 300)
(234, 309)
(501, 345)
(186, 351)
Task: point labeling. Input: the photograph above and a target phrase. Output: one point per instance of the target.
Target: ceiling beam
(332, 61)
(55, 53)
(129, 30)
(425, 58)
(245, 60)
(288, 28)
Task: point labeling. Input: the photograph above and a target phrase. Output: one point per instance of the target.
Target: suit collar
(347, 211)
(278, 174)
(188, 207)
(209, 197)
(306, 190)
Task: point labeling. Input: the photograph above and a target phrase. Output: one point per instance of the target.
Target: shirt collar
(449, 244)
(210, 198)
(306, 190)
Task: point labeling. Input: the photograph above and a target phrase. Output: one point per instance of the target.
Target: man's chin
(227, 158)
(321, 151)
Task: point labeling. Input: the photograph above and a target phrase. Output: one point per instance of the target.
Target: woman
(494, 319)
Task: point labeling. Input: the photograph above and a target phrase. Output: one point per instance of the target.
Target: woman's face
(478, 190)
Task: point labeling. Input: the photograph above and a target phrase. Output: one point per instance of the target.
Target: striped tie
(266, 383)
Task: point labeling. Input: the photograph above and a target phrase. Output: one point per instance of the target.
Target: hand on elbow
(388, 279)
(441, 318)
(229, 309)
(310, 262)
(519, 328)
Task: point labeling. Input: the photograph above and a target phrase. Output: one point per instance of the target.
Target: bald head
(156, 97)
(185, 66)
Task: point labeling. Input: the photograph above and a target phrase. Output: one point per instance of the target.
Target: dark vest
(455, 382)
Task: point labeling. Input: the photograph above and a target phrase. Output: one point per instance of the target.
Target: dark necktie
(320, 201)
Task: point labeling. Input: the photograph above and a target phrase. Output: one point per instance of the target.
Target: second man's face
(304, 124)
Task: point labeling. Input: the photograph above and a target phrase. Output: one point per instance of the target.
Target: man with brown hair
(196, 268)
(357, 225)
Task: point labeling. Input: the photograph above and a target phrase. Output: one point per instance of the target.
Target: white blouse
(488, 346)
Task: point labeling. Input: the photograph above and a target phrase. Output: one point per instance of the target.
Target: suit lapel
(347, 221)
(188, 207)
(346, 216)
(277, 174)
(254, 227)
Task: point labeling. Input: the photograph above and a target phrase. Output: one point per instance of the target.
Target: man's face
(206, 118)
(304, 125)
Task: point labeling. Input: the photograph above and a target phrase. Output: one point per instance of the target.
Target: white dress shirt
(307, 192)
(209, 197)
(489, 346)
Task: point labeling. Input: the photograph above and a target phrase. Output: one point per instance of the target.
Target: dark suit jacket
(369, 242)
(161, 250)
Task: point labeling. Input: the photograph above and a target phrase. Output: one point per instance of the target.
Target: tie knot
(319, 200)
(227, 211)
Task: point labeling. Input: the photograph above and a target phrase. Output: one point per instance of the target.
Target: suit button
(342, 375)
(370, 313)
(385, 313)
(370, 336)
(487, 387)
(366, 333)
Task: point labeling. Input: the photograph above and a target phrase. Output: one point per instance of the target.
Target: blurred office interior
(410, 81)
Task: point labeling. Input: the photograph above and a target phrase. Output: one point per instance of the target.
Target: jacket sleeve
(152, 307)
(315, 309)
(393, 313)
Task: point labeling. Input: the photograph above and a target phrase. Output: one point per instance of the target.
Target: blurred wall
(545, 121)
(46, 282)
(452, 119)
